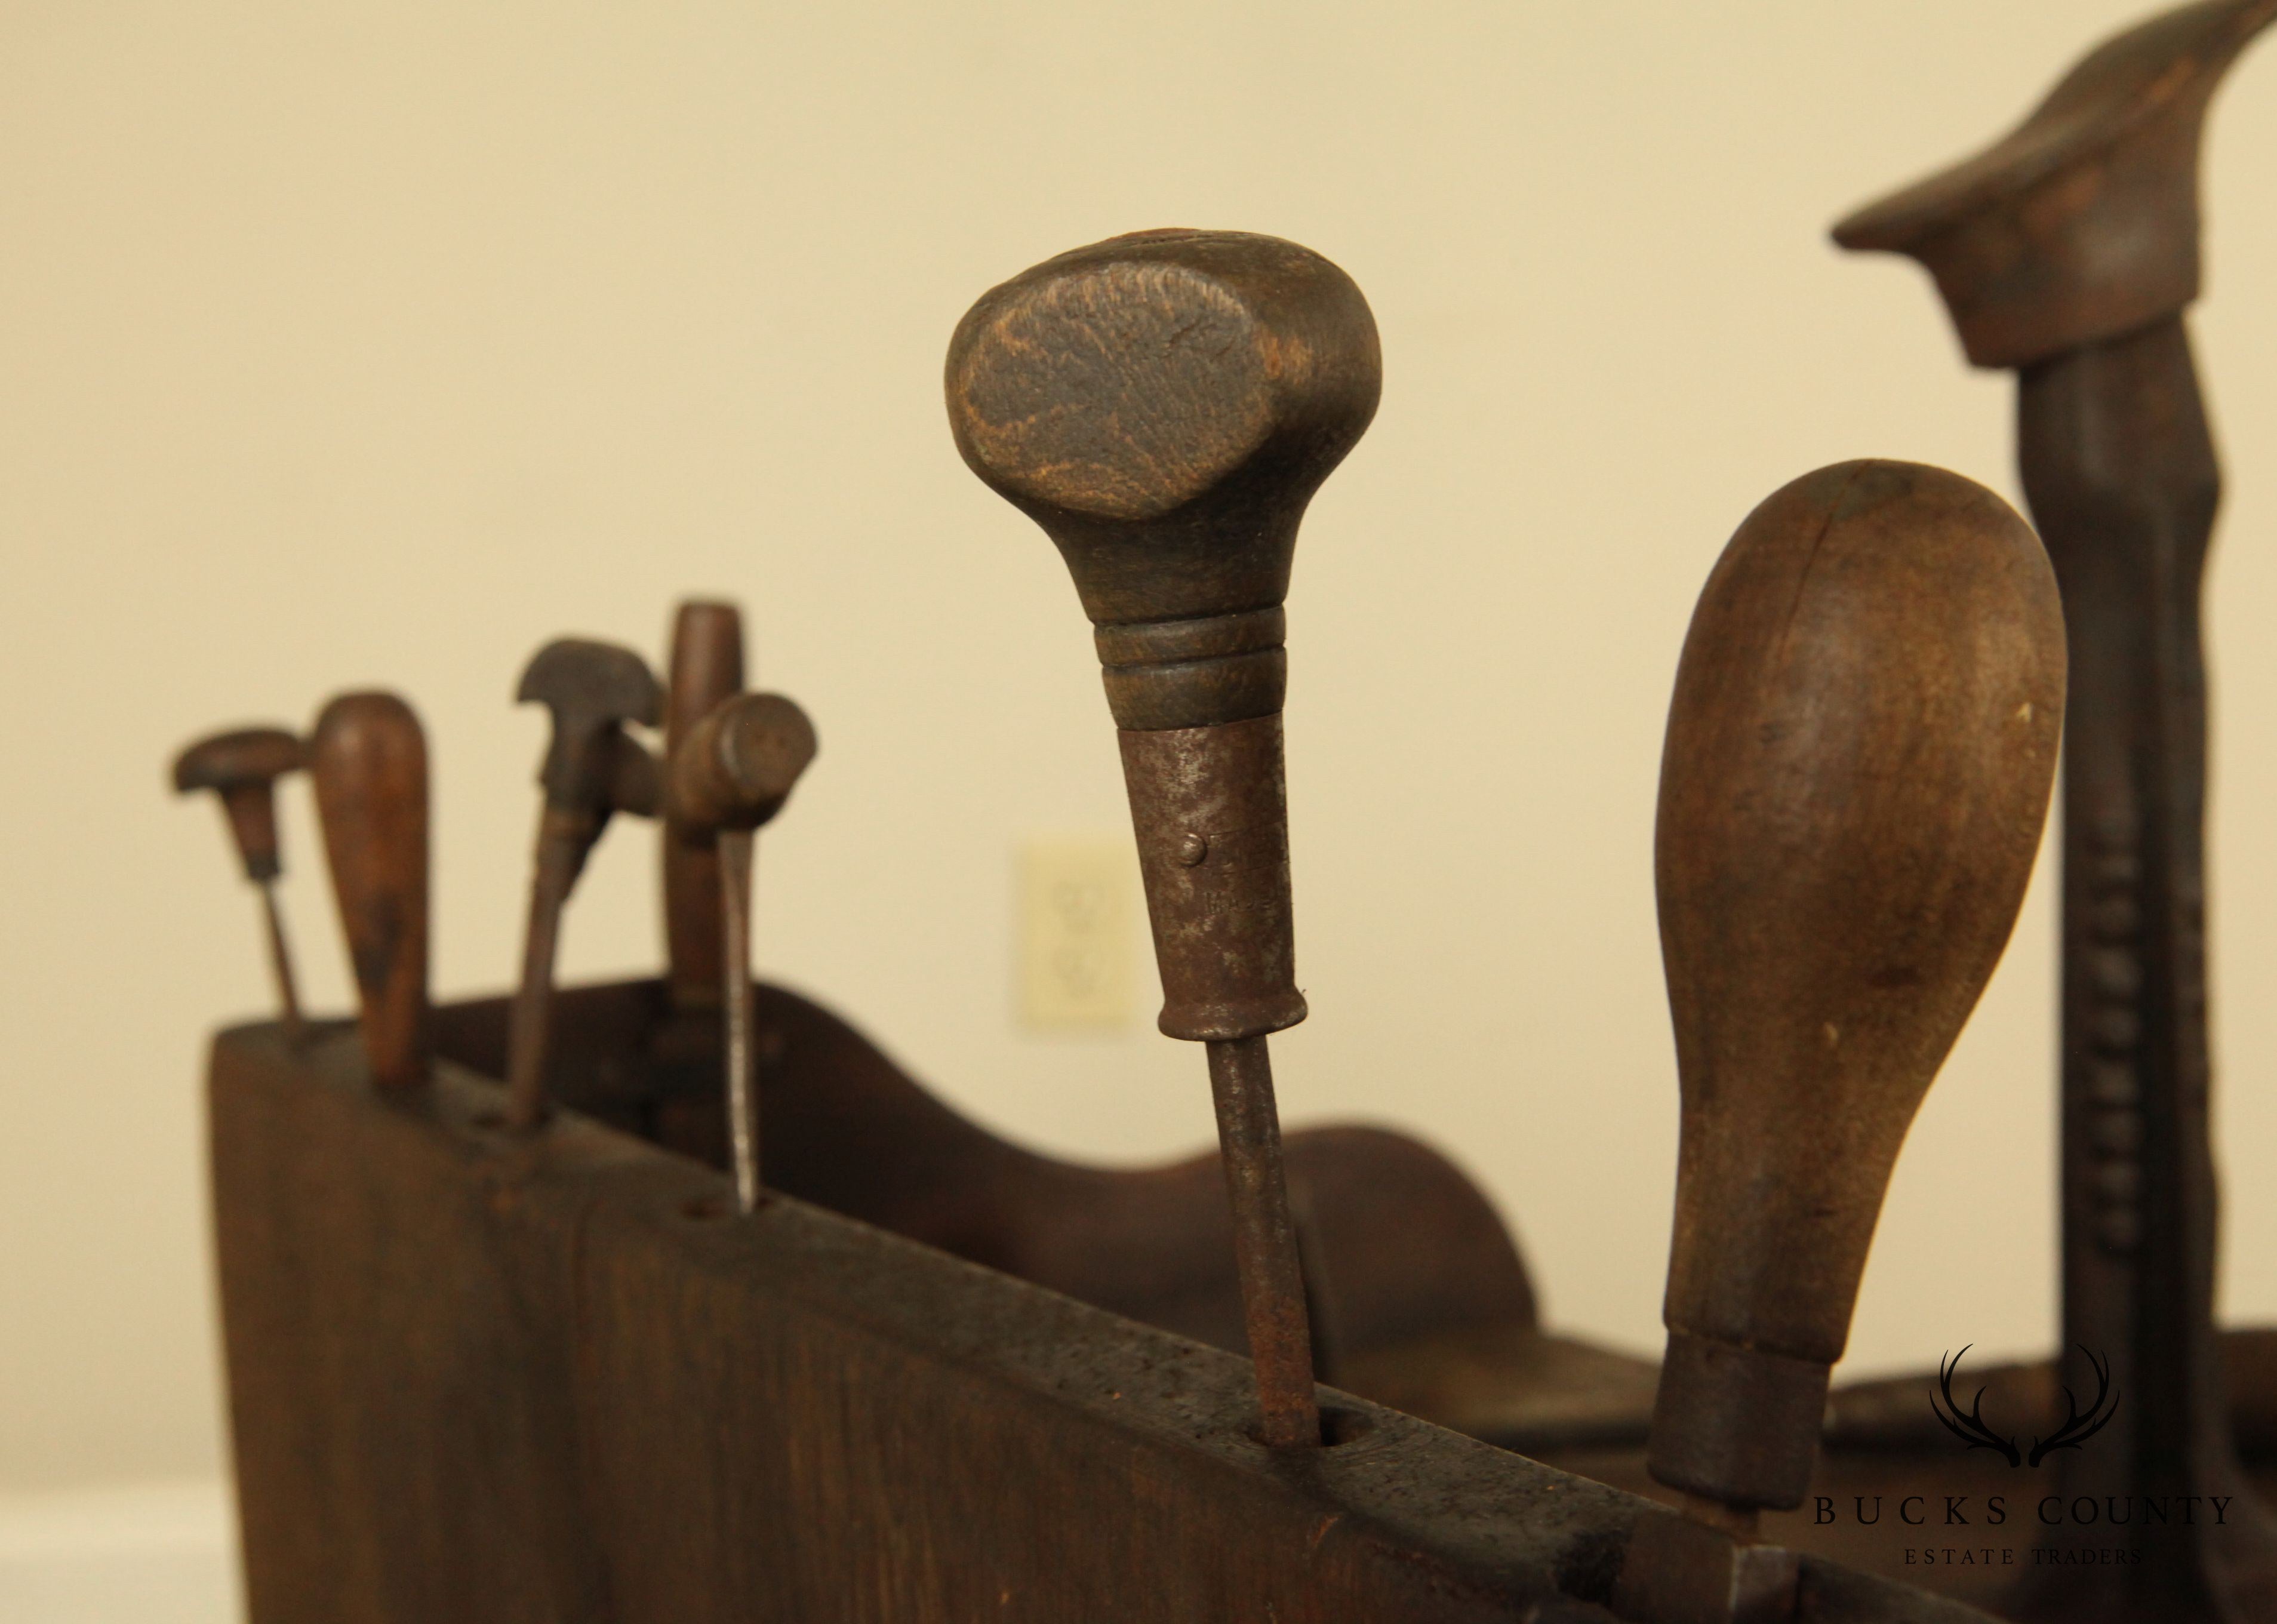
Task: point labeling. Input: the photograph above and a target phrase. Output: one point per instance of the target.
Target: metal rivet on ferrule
(1193, 849)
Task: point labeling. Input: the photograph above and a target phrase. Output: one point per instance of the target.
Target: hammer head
(241, 766)
(2082, 222)
(737, 766)
(1164, 405)
(593, 689)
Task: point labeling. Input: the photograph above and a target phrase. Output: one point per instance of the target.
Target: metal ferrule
(251, 810)
(1211, 812)
(1737, 1424)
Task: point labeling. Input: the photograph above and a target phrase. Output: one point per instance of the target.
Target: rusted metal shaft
(1265, 1242)
(728, 776)
(734, 864)
(280, 964)
(592, 770)
(1209, 806)
(2119, 469)
(564, 838)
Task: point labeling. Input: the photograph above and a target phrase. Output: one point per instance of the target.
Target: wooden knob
(1164, 405)
(1857, 767)
(242, 767)
(737, 766)
(368, 759)
(2082, 223)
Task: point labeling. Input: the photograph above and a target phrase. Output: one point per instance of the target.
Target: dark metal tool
(368, 759)
(241, 767)
(1165, 405)
(2070, 252)
(1857, 767)
(730, 776)
(706, 670)
(592, 769)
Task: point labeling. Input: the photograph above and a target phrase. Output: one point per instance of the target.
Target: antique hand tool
(730, 776)
(591, 769)
(2069, 251)
(1857, 766)
(706, 668)
(241, 768)
(368, 759)
(1164, 405)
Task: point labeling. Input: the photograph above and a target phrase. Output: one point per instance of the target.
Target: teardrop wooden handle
(2081, 224)
(1857, 767)
(706, 670)
(368, 759)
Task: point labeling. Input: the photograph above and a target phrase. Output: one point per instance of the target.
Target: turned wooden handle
(706, 669)
(368, 759)
(1857, 767)
(739, 763)
(2082, 223)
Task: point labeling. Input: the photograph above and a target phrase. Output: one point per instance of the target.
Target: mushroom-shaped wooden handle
(242, 767)
(1856, 772)
(1164, 405)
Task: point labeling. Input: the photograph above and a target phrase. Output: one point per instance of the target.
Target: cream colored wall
(342, 346)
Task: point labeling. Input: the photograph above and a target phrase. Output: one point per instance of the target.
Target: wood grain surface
(477, 1376)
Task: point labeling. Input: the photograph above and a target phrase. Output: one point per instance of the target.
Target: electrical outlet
(1075, 900)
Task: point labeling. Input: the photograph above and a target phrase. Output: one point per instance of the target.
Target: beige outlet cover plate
(1075, 899)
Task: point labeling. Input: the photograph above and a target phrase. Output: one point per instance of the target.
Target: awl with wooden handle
(241, 768)
(1855, 776)
(1164, 405)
